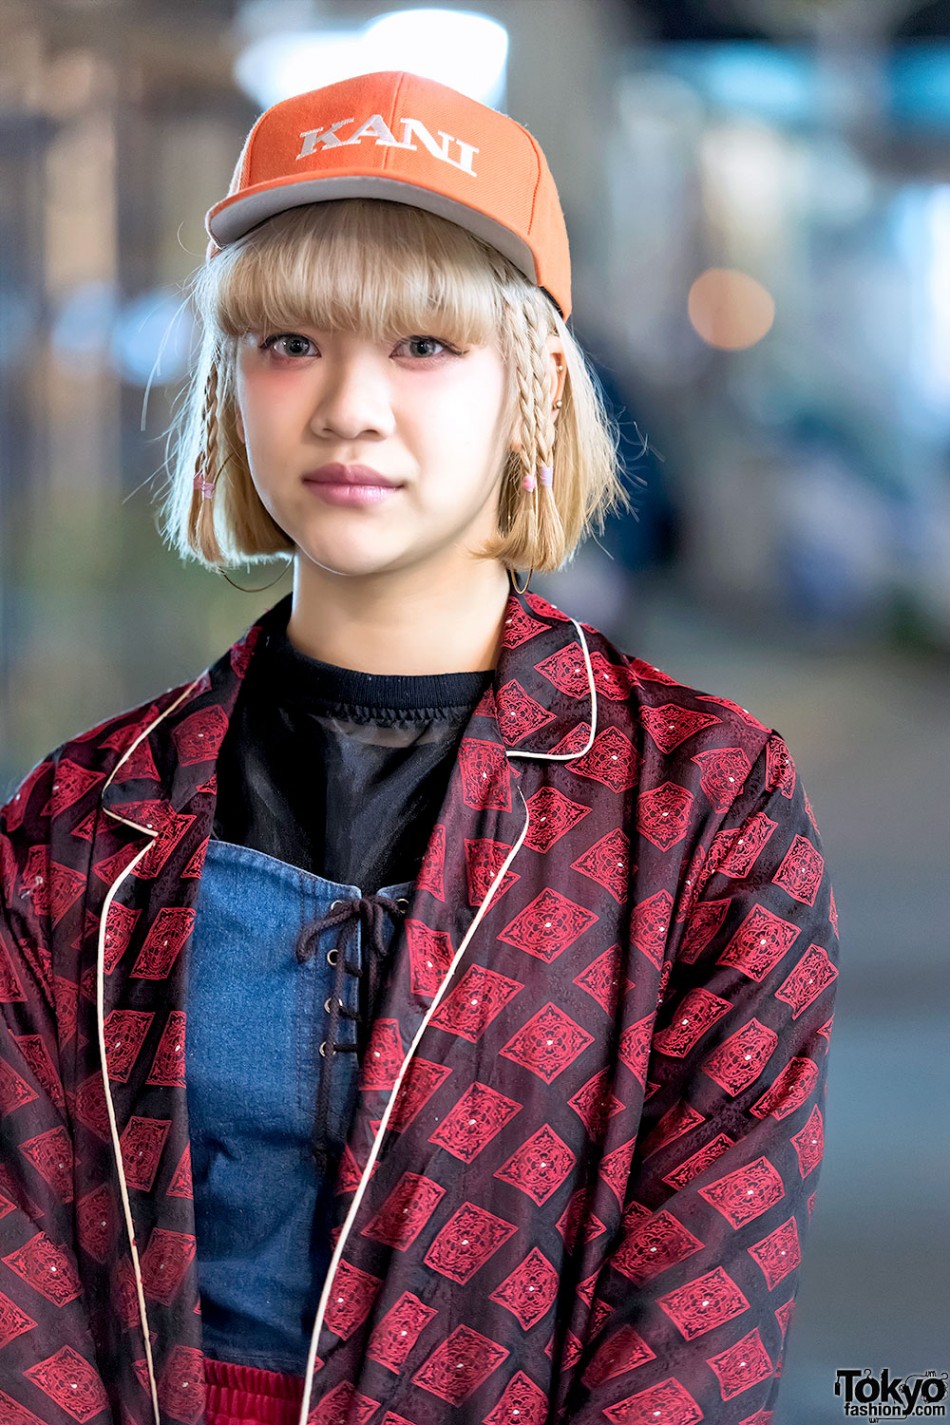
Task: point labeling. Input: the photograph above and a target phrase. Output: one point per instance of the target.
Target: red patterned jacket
(590, 1120)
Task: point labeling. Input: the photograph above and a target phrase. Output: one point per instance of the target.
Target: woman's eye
(421, 346)
(289, 344)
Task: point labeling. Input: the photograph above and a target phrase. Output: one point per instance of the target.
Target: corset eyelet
(333, 955)
(326, 1002)
(323, 1049)
(403, 900)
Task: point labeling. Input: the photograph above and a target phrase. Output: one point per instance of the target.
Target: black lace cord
(347, 913)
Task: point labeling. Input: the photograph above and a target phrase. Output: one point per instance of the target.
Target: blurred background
(758, 193)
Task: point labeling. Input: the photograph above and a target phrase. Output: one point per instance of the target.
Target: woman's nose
(353, 401)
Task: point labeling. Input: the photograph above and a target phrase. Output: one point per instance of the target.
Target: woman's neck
(404, 621)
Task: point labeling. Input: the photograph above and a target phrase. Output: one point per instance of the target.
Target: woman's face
(421, 414)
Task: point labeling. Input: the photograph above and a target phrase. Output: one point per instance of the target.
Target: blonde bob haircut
(386, 271)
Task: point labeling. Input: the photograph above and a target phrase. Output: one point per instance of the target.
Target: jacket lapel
(156, 812)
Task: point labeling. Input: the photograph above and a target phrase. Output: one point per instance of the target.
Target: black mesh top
(339, 772)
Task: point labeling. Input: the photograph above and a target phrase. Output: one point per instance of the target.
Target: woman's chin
(344, 563)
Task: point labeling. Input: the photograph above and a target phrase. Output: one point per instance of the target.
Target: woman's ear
(558, 371)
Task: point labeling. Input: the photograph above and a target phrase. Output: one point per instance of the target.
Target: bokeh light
(461, 48)
(729, 309)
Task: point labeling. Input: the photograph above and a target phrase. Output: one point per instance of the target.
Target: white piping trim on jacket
(113, 1127)
(384, 1121)
(569, 756)
(100, 1018)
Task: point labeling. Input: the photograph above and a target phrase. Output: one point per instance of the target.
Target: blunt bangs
(377, 269)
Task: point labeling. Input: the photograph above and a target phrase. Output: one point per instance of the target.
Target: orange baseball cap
(404, 139)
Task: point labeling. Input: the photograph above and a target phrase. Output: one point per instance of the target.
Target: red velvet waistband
(250, 1395)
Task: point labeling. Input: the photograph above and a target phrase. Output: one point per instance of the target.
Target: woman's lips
(350, 485)
(353, 495)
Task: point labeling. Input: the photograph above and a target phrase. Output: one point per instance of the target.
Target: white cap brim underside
(240, 217)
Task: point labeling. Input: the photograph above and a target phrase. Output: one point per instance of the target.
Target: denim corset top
(275, 1039)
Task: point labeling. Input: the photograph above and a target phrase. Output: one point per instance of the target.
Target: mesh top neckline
(327, 687)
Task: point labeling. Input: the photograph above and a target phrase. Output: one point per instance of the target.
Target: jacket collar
(542, 703)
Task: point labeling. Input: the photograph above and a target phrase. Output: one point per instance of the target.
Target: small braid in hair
(548, 526)
(209, 434)
(544, 426)
(521, 354)
(207, 468)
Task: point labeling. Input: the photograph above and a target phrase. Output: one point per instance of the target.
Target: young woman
(506, 959)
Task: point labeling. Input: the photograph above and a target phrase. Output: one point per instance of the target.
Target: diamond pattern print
(46, 1268)
(663, 816)
(479, 997)
(704, 1303)
(551, 816)
(595, 1105)
(405, 1212)
(529, 1292)
(623, 1352)
(741, 1365)
(548, 1043)
(466, 1242)
(740, 1059)
(566, 670)
(670, 724)
(790, 1089)
(779, 1253)
(71, 1383)
(723, 774)
(353, 1294)
(478, 1116)
(486, 783)
(181, 1387)
(654, 1246)
(612, 760)
(612, 680)
(650, 926)
(519, 714)
(577, 1223)
(809, 1143)
(667, 1401)
(759, 944)
(431, 954)
(548, 925)
(399, 1330)
(746, 1193)
(540, 1165)
(699, 1161)
(51, 1154)
(696, 1013)
(607, 862)
(13, 1322)
(558, 1228)
(810, 977)
(484, 859)
(420, 1083)
(460, 1365)
(521, 1404)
